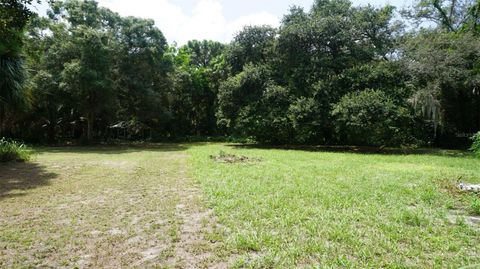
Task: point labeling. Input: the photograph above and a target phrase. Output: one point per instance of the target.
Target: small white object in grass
(469, 187)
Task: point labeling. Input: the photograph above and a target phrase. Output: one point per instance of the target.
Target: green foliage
(90, 69)
(87, 75)
(332, 37)
(143, 66)
(14, 17)
(12, 88)
(11, 150)
(251, 104)
(449, 15)
(303, 114)
(196, 80)
(412, 218)
(237, 92)
(475, 205)
(443, 69)
(371, 117)
(475, 148)
(252, 45)
(200, 54)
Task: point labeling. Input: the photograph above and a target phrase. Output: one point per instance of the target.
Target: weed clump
(14, 151)
(475, 205)
(223, 157)
(476, 144)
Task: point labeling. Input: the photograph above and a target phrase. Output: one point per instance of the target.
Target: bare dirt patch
(223, 157)
(192, 249)
(460, 193)
(457, 216)
(131, 209)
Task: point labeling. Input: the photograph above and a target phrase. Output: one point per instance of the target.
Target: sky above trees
(219, 20)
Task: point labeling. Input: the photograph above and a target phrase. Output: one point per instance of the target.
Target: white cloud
(262, 18)
(205, 20)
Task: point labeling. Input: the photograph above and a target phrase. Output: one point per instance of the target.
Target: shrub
(252, 105)
(305, 118)
(476, 144)
(13, 151)
(372, 118)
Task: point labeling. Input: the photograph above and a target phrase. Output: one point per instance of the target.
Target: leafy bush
(13, 151)
(305, 117)
(372, 118)
(476, 144)
(252, 105)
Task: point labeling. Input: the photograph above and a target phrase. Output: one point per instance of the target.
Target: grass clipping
(224, 157)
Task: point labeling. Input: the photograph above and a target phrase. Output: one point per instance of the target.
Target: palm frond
(12, 82)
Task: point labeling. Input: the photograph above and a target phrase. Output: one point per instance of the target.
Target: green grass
(321, 209)
(148, 206)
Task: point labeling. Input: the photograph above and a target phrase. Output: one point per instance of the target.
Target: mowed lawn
(331, 210)
(173, 206)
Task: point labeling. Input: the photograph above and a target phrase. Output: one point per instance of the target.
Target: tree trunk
(5, 128)
(1, 122)
(90, 119)
(51, 133)
(478, 112)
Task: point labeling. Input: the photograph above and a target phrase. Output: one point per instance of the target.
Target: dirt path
(193, 249)
(98, 209)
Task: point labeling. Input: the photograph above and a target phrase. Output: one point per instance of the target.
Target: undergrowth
(476, 144)
(14, 151)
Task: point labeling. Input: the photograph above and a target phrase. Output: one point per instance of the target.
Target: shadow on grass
(17, 178)
(360, 150)
(114, 149)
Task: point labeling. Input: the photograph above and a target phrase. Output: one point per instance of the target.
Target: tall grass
(13, 151)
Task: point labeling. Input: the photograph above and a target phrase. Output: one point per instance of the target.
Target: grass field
(172, 206)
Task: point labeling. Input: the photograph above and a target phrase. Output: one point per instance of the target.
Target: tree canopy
(333, 74)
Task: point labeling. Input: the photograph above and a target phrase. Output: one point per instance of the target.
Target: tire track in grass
(192, 248)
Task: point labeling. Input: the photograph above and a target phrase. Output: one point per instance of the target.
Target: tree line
(333, 74)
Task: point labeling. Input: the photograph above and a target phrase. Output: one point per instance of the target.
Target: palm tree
(12, 88)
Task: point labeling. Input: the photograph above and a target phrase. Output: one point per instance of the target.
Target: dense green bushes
(371, 117)
(13, 151)
(476, 144)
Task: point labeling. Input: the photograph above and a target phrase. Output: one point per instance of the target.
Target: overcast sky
(183, 20)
